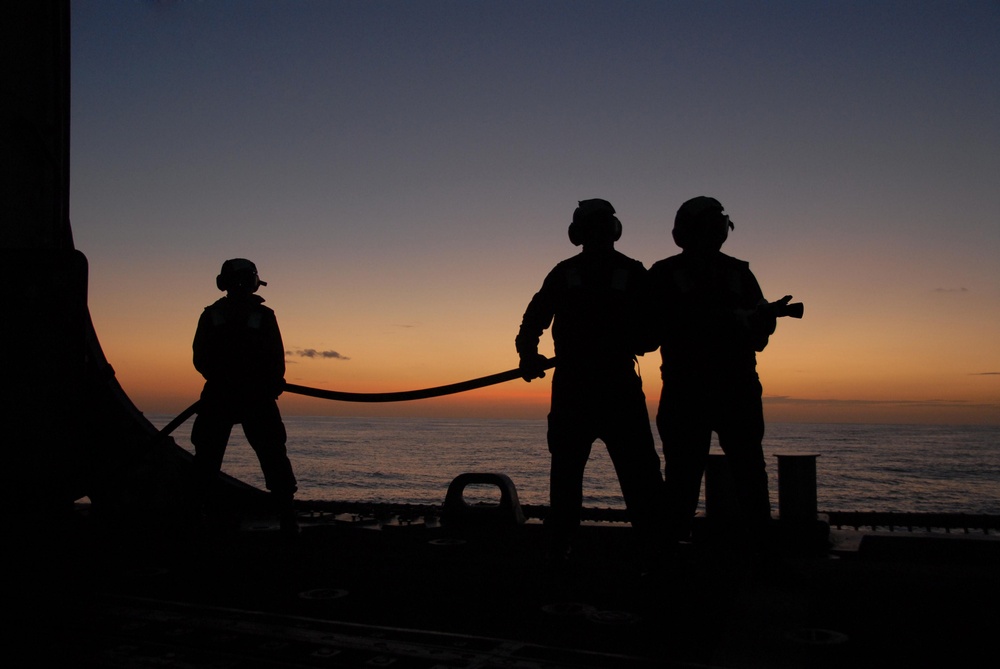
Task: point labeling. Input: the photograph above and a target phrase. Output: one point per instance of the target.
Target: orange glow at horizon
(403, 229)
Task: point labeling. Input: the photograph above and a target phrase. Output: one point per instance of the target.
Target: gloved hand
(776, 309)
(533, 366)
(278, 388)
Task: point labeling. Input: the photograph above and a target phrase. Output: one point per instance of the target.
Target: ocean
(890, 468)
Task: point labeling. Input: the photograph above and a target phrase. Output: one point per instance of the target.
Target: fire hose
(400, 396)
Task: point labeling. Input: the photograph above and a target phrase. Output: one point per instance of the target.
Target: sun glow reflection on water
(904, 468)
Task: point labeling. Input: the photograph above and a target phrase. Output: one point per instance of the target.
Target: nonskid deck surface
(158, 633)
(417, 595)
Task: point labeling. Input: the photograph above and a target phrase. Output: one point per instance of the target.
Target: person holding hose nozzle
(711, 320)
(596, 302)
(238, 349)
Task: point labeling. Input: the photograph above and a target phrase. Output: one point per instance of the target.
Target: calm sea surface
(860, 467)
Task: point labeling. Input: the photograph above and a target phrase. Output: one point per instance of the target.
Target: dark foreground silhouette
(238, 349)
(711, 319)
(594, 302)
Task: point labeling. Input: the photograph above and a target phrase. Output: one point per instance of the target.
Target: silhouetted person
(238, 349)
(593, 302)
(712, 320)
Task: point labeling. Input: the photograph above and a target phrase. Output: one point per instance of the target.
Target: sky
(403, 174)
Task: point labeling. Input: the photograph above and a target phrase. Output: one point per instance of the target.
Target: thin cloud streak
(784, 399)
(313, 353)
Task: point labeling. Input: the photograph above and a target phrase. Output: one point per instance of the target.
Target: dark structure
(71, 431)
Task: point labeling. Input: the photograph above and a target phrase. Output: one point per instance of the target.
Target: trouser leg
(266, 435)
(569, 453)
(209, 435)
(741, 437)
(633, 454)
(687, 438)
(265, 432)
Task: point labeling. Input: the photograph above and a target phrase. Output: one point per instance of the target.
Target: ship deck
(351, 591)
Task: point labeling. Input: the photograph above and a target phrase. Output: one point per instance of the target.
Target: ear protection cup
(616, 229)
(576, 236)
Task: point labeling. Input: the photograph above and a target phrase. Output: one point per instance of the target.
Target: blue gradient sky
(403, 174)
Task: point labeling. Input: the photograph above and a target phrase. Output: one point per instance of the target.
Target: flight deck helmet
(239, 274)
(701, 224)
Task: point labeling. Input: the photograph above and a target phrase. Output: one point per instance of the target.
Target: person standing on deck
(593, 302)
(238, 349)
(712, 320)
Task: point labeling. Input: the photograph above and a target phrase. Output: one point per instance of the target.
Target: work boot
(287, 519)
(289, 523)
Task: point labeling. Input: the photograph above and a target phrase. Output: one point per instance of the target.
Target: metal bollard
(457, 512)
(797, 487)
(720, 493)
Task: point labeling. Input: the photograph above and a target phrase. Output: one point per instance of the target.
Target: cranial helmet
(594, 221)
(701, 225)
(239, 274)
